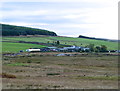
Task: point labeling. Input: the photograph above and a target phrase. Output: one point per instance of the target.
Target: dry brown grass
(6, 75)
(69, 72)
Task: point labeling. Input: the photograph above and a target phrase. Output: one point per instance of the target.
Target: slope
(11, 30)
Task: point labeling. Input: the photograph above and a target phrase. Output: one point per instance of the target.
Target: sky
(93, 18)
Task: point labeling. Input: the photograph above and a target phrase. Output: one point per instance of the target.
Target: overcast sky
(94, 18)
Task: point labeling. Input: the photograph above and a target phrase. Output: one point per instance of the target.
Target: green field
(16, 47)
(84, 42)
(44, 39)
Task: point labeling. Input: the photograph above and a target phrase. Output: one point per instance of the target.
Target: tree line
(11, 30)
(94, 48)
(81, 36)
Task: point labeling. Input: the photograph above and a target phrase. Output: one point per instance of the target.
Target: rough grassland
(52, 72)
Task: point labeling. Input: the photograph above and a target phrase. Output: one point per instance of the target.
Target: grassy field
(16, 47)
(52, 72)
(64, 40)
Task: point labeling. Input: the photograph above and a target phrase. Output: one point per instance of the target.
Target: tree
(10, 30)
(103, 48)
(58, 42)
(91, 46)
(48, 42)
(97, 49)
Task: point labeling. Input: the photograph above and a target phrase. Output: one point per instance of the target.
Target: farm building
(55, 49)
(75, 49)
(44, 49)
(33, 50)
(118, 51)
(85, 49)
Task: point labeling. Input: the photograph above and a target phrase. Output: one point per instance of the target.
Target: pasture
(10, 47)
(63, 40)
(65, 72)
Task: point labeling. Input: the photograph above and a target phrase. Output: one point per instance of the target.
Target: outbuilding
(33, 50)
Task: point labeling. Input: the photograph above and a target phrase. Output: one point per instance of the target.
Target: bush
(53, 73)
(5, 75)
(29, 61)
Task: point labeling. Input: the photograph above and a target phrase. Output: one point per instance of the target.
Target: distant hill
(81, 36)
(12, 30)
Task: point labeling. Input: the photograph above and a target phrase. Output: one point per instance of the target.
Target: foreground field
(53, 72)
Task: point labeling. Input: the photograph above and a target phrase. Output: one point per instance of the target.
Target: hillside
(9, 43)
(12, 30)
(86, 37)
(12, 42)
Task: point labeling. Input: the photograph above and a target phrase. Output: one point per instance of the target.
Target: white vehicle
(33, 50)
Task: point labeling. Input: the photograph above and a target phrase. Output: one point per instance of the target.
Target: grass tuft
(5, 75)
(53, 73)
(98, 77)
(17, 64)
